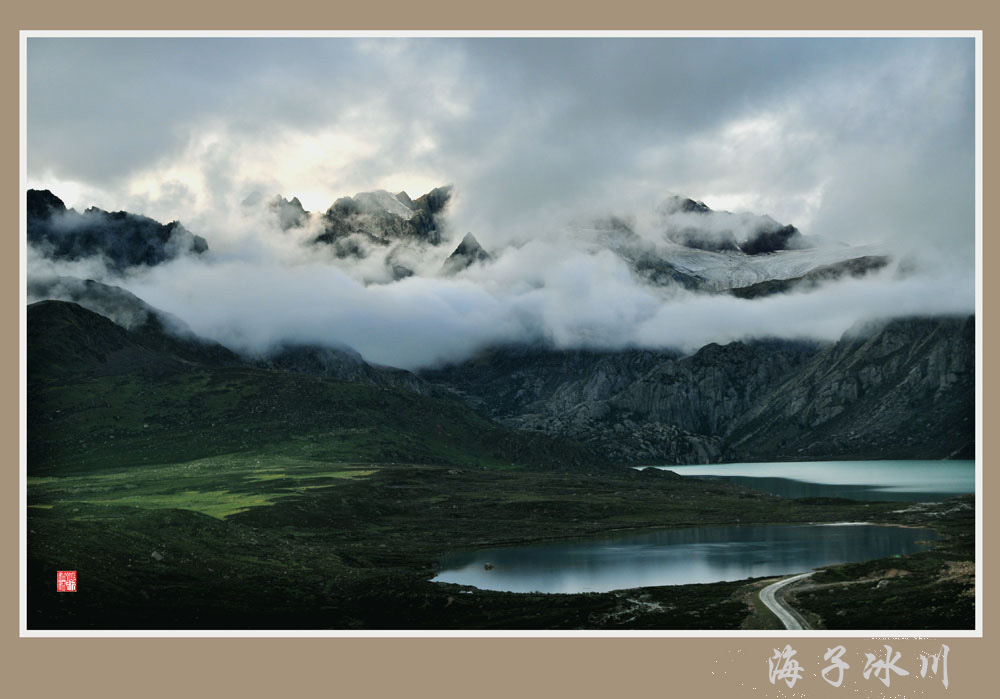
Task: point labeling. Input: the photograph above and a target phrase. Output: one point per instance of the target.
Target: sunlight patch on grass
(216, 503)
(347, 473)
(217, 486)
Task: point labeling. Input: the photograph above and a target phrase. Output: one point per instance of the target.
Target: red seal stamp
(65, 581)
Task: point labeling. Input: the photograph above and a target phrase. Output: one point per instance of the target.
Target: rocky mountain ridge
(123, 239)
(691, 245)
(898, 389)
(903, 388)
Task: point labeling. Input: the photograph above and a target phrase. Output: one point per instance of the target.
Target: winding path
(785, 614)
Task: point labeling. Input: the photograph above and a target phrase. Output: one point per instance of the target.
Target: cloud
(252, 306)
(564, 292)
(851, 140)
(824, 315)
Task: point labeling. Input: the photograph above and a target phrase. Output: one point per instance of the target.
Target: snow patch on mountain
(731, 270)
(381, 200)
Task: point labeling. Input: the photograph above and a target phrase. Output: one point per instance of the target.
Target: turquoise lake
(675, 556)
(920, 481)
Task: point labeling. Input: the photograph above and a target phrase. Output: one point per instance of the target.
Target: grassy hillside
(100, 397)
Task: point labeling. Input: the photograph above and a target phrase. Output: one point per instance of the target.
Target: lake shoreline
(676, 556)
(360, 554)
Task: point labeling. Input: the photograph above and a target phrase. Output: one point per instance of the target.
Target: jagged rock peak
(381, 200)
(693, 224)
(291, 214)
(471, 246)
(405, 199)
(468, 252)
(678, 204)
(435, 200)
(124, 239)
(42, 204)
(381, 218)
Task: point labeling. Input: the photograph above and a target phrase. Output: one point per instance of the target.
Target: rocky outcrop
(694, 225)
(903, 389)
(772, 238)
(290, 214)
(706, 392)
(626, 441)
(899, 389)
(124, 240)
(634, 406)
(468, 252)
(404, 199)
(380, 218)
(42, 205)
(572, 394)
(858, 267)
(520, 379)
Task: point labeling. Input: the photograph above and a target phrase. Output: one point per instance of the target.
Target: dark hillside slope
(167, 333)
(64, 339)
(100, 397)
(156, 329)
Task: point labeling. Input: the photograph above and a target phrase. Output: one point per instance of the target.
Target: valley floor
(269, 541)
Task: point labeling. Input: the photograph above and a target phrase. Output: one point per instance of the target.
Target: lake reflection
(895, 481)
(675, 557)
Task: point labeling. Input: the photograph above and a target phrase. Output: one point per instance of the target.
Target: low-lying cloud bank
(260, 285)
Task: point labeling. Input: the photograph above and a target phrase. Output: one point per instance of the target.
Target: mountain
(379, 218)
(341, 363)
(901, 389)
(725, 272)
(65, 339)
(693, 224)
(468, 252)
(709, 251)
(689, 244)
(571, 393)
(101, 396)
(856, 267)
(635, 406)
(124, 240)
(156, 328)
(290, 214)
(898, 389)
(163, 331)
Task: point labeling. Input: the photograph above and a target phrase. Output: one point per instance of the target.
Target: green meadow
(218, 486)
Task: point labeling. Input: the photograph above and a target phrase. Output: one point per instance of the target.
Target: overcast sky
(857, 140)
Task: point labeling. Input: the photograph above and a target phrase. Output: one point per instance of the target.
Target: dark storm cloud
(551, 124)
(853, 140)
(102, 108)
